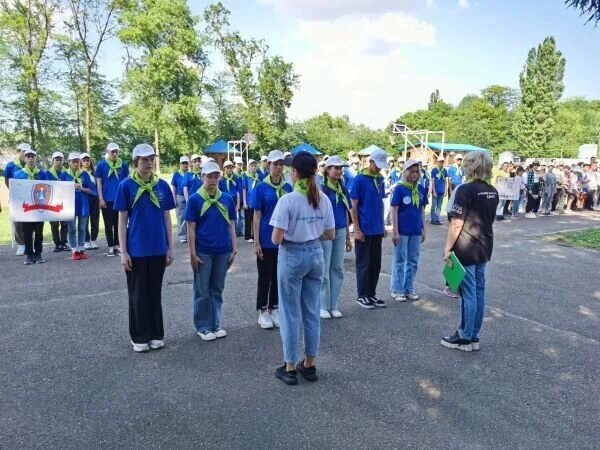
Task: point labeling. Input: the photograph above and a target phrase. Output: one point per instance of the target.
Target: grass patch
(584, 239)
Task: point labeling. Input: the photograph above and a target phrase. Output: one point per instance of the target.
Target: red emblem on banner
(41, 196)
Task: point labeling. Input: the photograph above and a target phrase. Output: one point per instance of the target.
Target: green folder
(454, 272)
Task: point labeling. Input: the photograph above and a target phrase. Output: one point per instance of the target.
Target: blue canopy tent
(220, 151)
(304, 147)
(367, 151)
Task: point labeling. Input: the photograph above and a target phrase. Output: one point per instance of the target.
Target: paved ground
(70, 380)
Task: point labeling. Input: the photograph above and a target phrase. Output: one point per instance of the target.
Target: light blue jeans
(333, 274)
(239, 222)
(405, 260)
(472, 302)
(76, 229)
(436, 207)
(299, 278)
(209, 283)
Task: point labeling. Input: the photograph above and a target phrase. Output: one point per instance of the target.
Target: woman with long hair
(300, 221)
(92, 227)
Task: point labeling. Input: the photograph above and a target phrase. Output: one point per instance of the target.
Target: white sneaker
(325, 314)
(182, 241)
(264, 320)
(275, 317)
(156, 344)
(207, 335)
(20, 250)
(398, 297)
(412, 296)
(220, 333)
(87, 246)
(530, 216)
(93, 245)
(250, 241)
(139, 348)
(336, 313)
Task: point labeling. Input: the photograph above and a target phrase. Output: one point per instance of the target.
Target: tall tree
(590, 8)
(434, 99)
(542, 86)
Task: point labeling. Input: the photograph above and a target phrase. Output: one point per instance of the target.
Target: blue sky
(377, 59)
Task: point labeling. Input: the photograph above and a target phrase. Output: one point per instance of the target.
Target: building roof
(367, 151)
(219, 147)
(304, 147)
(449, 147)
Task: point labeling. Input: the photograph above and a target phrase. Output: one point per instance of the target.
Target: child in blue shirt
(439, 177)
(250, 181)
(177, 181)
(192, 179)
(59, 228)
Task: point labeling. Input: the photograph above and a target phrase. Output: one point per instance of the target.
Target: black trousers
(267, 295)
(144, 285)
(19, 238)
(533, 204)
(368, 265)
(33, 233)
(111, 224)
(248, 221)
(94, 221)
(59, 233)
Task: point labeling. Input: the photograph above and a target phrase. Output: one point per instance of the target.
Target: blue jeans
(209, 283)
(472, 302)
(299, 277)
(436, 207)
(239, 222)
(179, 211)
(333, 274)
(77, 231)
(405, 260)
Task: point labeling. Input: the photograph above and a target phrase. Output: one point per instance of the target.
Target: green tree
(434, 99)
(590, 8)
(542, 86)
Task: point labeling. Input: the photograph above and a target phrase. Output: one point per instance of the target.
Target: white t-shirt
(300, 220)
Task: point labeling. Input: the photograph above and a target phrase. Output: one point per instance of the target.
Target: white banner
(508, 188)
(41, 200)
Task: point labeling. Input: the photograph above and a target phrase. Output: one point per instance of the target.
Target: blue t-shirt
(425, 181)
(455, 174)
(50, 176)
(395, 175)
(348, 176)
(146, 228)
(231, 187)
(265, 199)
(20, 174)
(110, 184)
(439, 182)
(177, 180)
(212, 230)
(339, 209)
(10, 170)
(250, 186)
(193, 182)
(370, 203)
(410, 217)
(262, 173)
(82, 202)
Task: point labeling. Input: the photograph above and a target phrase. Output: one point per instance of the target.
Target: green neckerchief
(76, 176)
(181, 172)
(113, 167)
(339, 193)
(229, 179)
(145, 187)
(54, 173)
(414, 192)
(301, 186)
(278, 187)
(92, 179)
(440, 173)
(195, 175)
(254, 178)
(18, 163)
(213, 201)
(374, 176)
(31, 173)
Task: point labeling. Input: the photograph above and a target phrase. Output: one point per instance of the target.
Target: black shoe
(499, 218)
(365, 302)
(475, 344)
(117, 252)
(456, 342)
(375, 301)
(29, 260)
(58, 248)
(309, 373)
(285, 376)
(65, 248)
(39, 260)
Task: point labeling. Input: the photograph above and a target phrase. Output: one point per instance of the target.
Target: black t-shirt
(476, 204)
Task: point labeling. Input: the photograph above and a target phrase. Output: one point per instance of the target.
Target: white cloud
(333, 9)
(463, 3)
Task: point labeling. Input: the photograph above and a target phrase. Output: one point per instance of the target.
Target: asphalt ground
(69, 378)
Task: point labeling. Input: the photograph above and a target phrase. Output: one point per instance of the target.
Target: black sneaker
(65, 248)
(39, 260)
(117, 251)
(456, 342)
(309, 373)
(365, 302)
(285, 376)
(475, 344)
(29, 260)
(375, 301)
(111, 252)
(57, 249)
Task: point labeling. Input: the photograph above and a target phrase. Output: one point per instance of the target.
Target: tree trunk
(156, 141)
(88, 106)
(36, 111)
(78, 119)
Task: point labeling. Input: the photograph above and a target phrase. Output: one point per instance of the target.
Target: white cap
(351, 153)
(85, 155)
(322, 163)
(58, 154)
(286, 154)
(251, 161)
(204, 158)
(142, 150)
(355, 160)
(211, 167)
(326, 157)
(264, 158)
(441, 158)
(184, 159)
(275, 155)
(112, 146)
(23, 146)
(335, 161)
(227, 163)
(194, 156)
(411, 162)
(74, 155)
(458, 156)
(238, 160)
(390, 159)
(29, 151)
(379, 157)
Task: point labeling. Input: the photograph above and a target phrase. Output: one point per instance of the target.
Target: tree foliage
(589, 8)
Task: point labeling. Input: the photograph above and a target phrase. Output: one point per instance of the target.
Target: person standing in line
(301, 220)
(408, 222)
(333, 250)
(350, 172)
(93, 226)
(471, 238)
(265, 197)
(144, 202)
(534, 190)
(229, 184)
(238, 173)
(109, 173)
(210, 216)
(503, 174)
(439, 177)
(549, 190)
(321, 172)
(250, 181)
(83, 188)
(516, 204)
(192, 179)
(59, 228)
(455, 174)
(9, 172)
(177, 188)
(33, 232)
(263, 171)
(369, 230)
(387, 184)
(558, 200)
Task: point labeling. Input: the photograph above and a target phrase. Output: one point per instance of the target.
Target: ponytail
(313, 194)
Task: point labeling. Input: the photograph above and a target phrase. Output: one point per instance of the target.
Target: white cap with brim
(336, 161)
(29, 151)
(286, 154)
(238, 160)
(410, 163)
(143, 150)
(210, 167)
(275, 155)
(112, 146)
(441, 159)
(251, 161)
(194, 156)
(73, 156)
(204, 158)
(379, 157)
(58, 155)
(23, 147)
(264, 158)
(227, 164)
(85, 155)
(321, 163)
(184, 159)
(458, 156)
